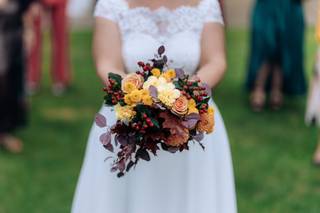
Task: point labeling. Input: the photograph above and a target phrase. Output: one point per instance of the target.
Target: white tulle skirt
(194, 181)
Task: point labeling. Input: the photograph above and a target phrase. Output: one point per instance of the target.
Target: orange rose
(180, 106)
(132, 79)
(206, 123)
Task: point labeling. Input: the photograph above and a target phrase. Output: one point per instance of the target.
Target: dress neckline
(163, 8)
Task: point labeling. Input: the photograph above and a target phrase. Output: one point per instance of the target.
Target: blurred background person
(12, 68)
(313, 105)
(60, 62)
(276, 59)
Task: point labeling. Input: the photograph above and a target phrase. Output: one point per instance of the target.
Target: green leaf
(177, 85)
(155, 123)
(140, 108)
(122, 103)
(108, 99)
(117, 78)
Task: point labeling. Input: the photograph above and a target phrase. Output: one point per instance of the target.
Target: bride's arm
(213, 59)
(107, 49)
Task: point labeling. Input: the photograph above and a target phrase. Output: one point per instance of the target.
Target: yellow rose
(135, 96)
(166, 76)
(211, 110)
(124, 113)
(144, 92)
(128, 87)
(171, 73)
(192, 110)
(156, 72)
(127, 99)
(131, 82)
(147, 100)
(192, 103)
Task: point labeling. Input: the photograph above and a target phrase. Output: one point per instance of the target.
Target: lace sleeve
(110, 9)
(212, 11)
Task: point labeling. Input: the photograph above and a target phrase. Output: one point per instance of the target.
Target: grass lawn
(271, 151)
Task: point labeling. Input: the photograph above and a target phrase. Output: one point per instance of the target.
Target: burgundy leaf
(192, 116)
(143, 154)
(105, 138)
(190, 124)
(173, 149)
(199, 137)
(180, 73)
(121, 165)
(120, 174)
(122, 140)
(161, 50)
(202, 146)
(129, 166)
(100, 120)
(109, 147)
(114, 169)
(153, 91)
(165, 59)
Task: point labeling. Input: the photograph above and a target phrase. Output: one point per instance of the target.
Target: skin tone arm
(213, 59)
(107, 49)
(108, 57)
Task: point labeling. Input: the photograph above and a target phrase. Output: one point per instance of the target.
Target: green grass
(271, 151)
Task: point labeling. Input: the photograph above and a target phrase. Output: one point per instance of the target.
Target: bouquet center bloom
(167, 93)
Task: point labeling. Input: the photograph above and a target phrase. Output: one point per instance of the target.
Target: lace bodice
(143, 30)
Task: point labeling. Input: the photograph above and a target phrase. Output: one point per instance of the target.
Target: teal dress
(277, 37)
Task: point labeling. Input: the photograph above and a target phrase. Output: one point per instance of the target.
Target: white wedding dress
(194, 181)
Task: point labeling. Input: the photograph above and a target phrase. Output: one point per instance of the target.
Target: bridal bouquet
(156, 107)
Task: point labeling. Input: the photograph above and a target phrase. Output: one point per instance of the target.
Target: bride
(194, 181)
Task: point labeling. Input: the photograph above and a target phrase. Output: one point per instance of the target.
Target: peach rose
(206, 123)
(180, 106)
(132, 79)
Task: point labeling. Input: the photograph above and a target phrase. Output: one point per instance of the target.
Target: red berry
(148, 120)
(151, 124)
(140, 63)
(145, 116)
